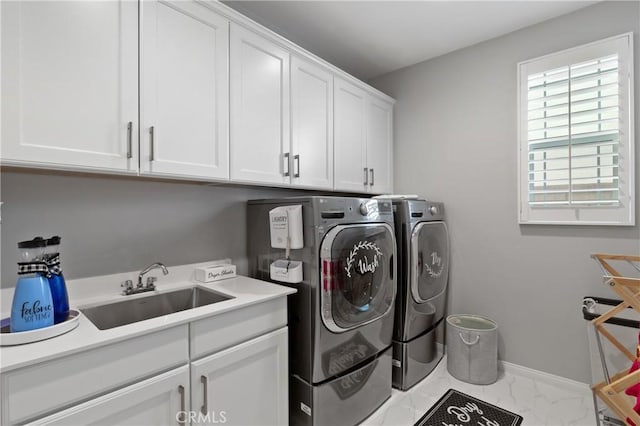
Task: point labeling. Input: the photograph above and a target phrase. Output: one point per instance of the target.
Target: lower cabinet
(246, 384)
(55, 385)
(243, 385)
(161, 400)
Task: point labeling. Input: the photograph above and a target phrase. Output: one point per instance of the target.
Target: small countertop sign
(211, 273)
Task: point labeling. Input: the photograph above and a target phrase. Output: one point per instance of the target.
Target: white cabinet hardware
(151, 143)
(296, 164)
(205, 395)
(183, 407)
(130, 140)
(285, 166)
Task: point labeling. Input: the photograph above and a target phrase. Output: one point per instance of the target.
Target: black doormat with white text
(457, 408)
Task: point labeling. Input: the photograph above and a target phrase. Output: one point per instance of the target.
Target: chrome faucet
(150, 267)
(150, 284)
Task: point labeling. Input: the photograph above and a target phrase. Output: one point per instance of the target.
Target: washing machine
(341, 317)
(423, 262)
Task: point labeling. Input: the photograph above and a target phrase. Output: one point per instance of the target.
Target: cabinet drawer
(35, 391)
(221, 331)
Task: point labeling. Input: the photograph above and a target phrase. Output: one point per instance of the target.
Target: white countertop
(97, 290)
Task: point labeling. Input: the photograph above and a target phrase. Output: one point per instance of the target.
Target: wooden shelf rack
(612, 390)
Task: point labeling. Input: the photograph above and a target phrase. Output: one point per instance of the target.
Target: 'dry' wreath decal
(364, 264)
(438, 267)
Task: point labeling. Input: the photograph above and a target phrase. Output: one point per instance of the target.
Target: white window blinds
(576, 138)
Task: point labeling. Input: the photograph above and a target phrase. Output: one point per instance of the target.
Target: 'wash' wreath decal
(364, 265)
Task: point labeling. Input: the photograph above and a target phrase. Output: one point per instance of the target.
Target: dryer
(341, 317)
(423, 262)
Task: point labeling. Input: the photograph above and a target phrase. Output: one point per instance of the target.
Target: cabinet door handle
(371, 181)
(366, 176)
(204, 409)
(129, 139)
(285, 167)
(152, 145)
(296, 159)
(182, 407)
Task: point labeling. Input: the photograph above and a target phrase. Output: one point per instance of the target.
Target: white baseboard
(542, 376)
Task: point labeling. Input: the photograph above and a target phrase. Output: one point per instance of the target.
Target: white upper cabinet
(260, 130)
(220, 98)
(380, 145)
(185, 95)
(70, 84)
(363, 140)
(350, 121)
(312, 125)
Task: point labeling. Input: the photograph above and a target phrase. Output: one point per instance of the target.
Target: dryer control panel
(353, 210)
(421, 210)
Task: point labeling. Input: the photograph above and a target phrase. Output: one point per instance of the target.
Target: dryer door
(429, 260)
(358, 284)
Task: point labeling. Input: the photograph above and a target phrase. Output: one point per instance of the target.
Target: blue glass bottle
(32, 306)
(57, 284)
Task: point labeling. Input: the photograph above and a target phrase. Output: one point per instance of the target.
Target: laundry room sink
(117, 314)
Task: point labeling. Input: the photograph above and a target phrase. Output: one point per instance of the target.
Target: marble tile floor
(539, 398)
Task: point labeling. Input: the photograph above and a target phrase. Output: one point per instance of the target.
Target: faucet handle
(151, 282)
(128, 286)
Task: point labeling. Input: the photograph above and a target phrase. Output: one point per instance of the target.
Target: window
(576, 157)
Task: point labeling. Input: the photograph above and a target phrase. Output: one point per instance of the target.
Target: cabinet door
(312, 125)
(70, 84)
(185, 95)
(350, 137)
(259, 109)
(380, 145)
(161, 400)
(244, 385)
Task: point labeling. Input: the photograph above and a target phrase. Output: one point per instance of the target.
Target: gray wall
(110, 224)
(456, 141)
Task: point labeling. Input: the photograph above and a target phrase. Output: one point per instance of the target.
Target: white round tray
(7, 338)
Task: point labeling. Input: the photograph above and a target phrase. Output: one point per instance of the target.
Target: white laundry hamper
(472, 349)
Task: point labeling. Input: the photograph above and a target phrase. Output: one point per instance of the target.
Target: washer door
(358, 284)
(429, 260)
